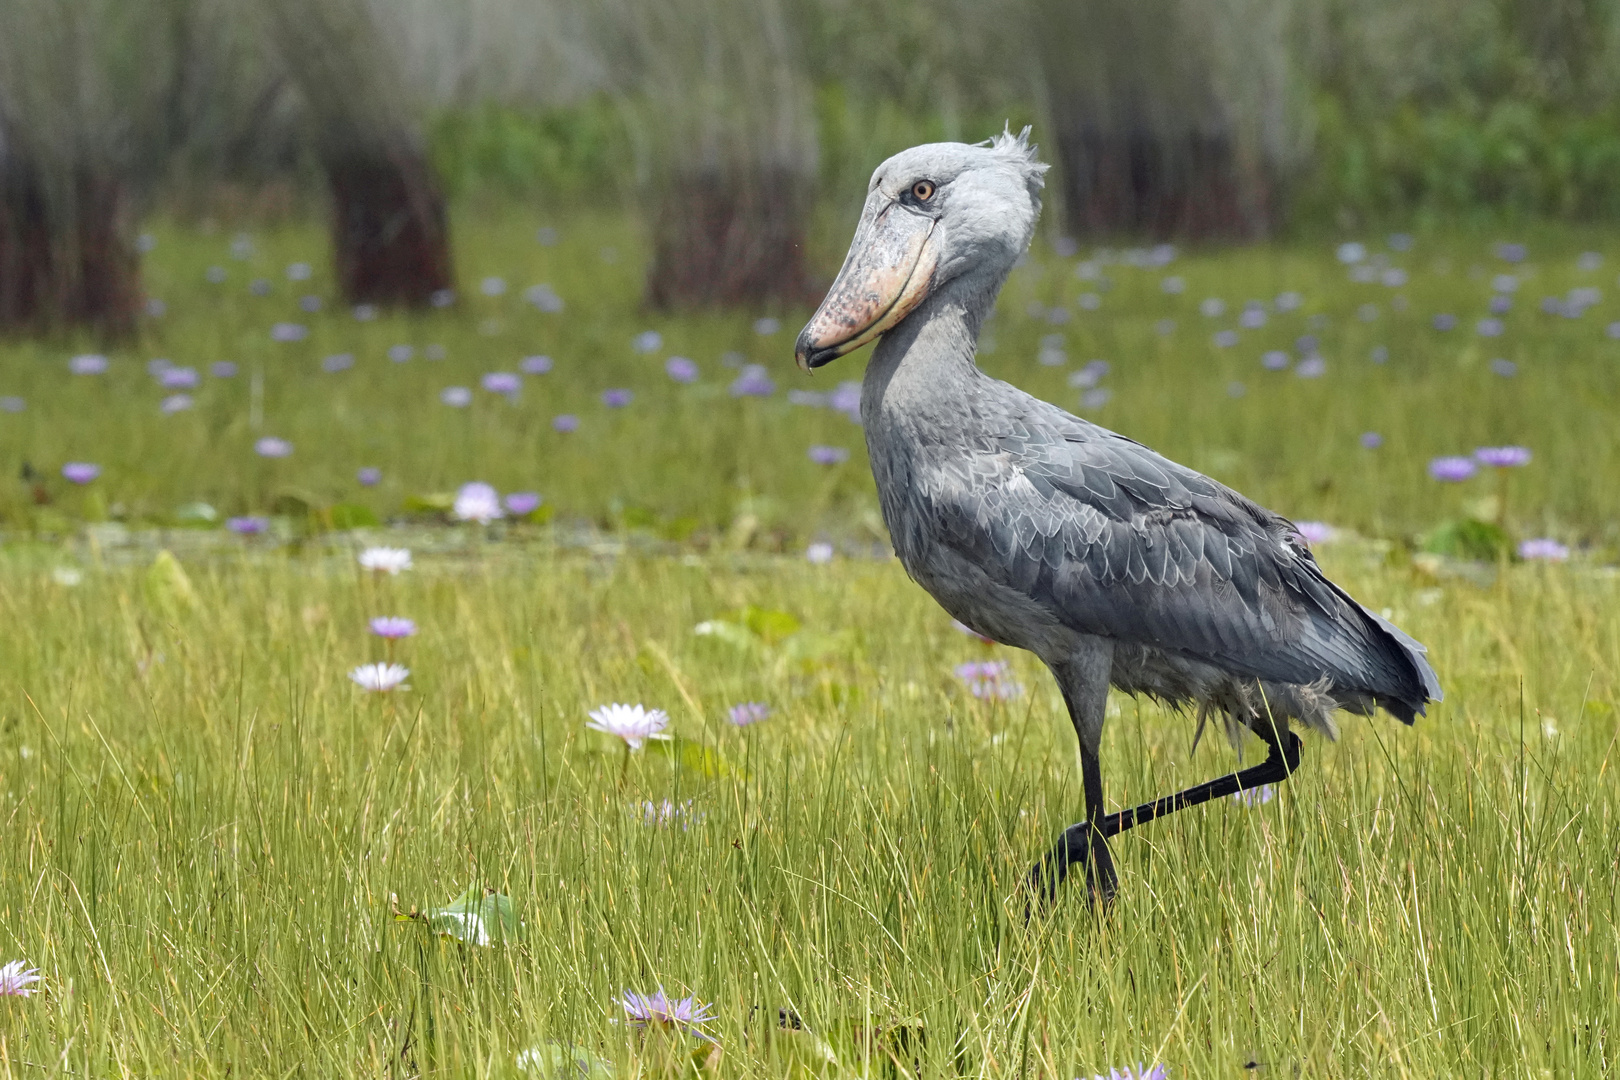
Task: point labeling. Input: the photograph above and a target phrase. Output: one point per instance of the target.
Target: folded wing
(1118, 541)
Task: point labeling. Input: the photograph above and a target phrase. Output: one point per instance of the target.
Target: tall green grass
(207, 826)
(209, 830)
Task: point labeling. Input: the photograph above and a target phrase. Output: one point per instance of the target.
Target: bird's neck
(932, 348)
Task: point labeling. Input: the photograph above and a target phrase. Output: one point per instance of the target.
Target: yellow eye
(922, 190)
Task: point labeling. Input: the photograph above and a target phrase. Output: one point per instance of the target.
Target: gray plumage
(1046, 532)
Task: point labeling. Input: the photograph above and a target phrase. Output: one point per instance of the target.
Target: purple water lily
(828, 455)
(1157, 1072)
(1543, 549)
(1315, 532)
(846, 398)
(749, 712)
(753, 382)
(502, 382)
(681, 369)
(522, 503)
(17, 979)
(392, 627)
(659, 1010)
(478, 502)
(370, 476)
(988, 680)
(1255, 796)
(247, 525)
(963, 628)
(80, 472)
(1452, 469)
(1502, 457)
(272, 447)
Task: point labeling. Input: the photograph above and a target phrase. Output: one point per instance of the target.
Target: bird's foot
(1082, 844)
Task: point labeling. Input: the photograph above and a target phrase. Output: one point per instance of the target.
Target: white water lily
(635, 724)
(380, 678)
(386, 560)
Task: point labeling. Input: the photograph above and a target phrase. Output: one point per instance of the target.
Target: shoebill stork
(1114, 565)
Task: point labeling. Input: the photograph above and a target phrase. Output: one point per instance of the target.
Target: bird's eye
(922, 190)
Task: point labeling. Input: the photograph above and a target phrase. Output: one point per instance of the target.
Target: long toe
(1048, 875)
(1102, 882)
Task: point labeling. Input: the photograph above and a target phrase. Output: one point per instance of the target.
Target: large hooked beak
(886, 274)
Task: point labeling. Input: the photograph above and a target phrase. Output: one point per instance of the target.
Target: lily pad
(476, 917)
(564, 1061)
(352, 516)
(696, 756)
(168, 585)
(1468, 538)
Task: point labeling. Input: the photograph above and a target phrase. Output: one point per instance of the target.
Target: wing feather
(1118, 541)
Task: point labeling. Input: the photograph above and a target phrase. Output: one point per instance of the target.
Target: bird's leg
(1084, 682)
(1279, 765)
(1086, 841)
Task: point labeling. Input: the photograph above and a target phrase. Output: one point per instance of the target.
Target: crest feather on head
(1017, 151)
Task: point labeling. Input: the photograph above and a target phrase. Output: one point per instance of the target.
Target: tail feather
(1412, 701)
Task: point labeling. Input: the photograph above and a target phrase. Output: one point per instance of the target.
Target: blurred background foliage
(1356, 111)
(724, 124)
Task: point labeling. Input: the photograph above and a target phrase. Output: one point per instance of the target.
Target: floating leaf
(167, 583)
(196, 515)
(476, 917)
(297, 503)
(1468, 538)
(729, 632)
(691, 754)
(564, 1061)
(814, 648)
(770, 626)
(435, 503)
(751, 627)
(352, 516)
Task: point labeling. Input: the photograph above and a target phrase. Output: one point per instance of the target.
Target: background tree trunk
(390, 229)
(1166, 123)
(65, 256)
(731, 237)
(1147, 182)
(721, 109)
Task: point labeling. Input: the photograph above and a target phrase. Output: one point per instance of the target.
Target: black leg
(1086, 841)
(1085, 844)
(1278, 766)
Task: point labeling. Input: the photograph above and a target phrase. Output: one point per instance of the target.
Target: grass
(209, 830)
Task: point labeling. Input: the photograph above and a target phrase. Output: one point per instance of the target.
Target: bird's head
(933, 214)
